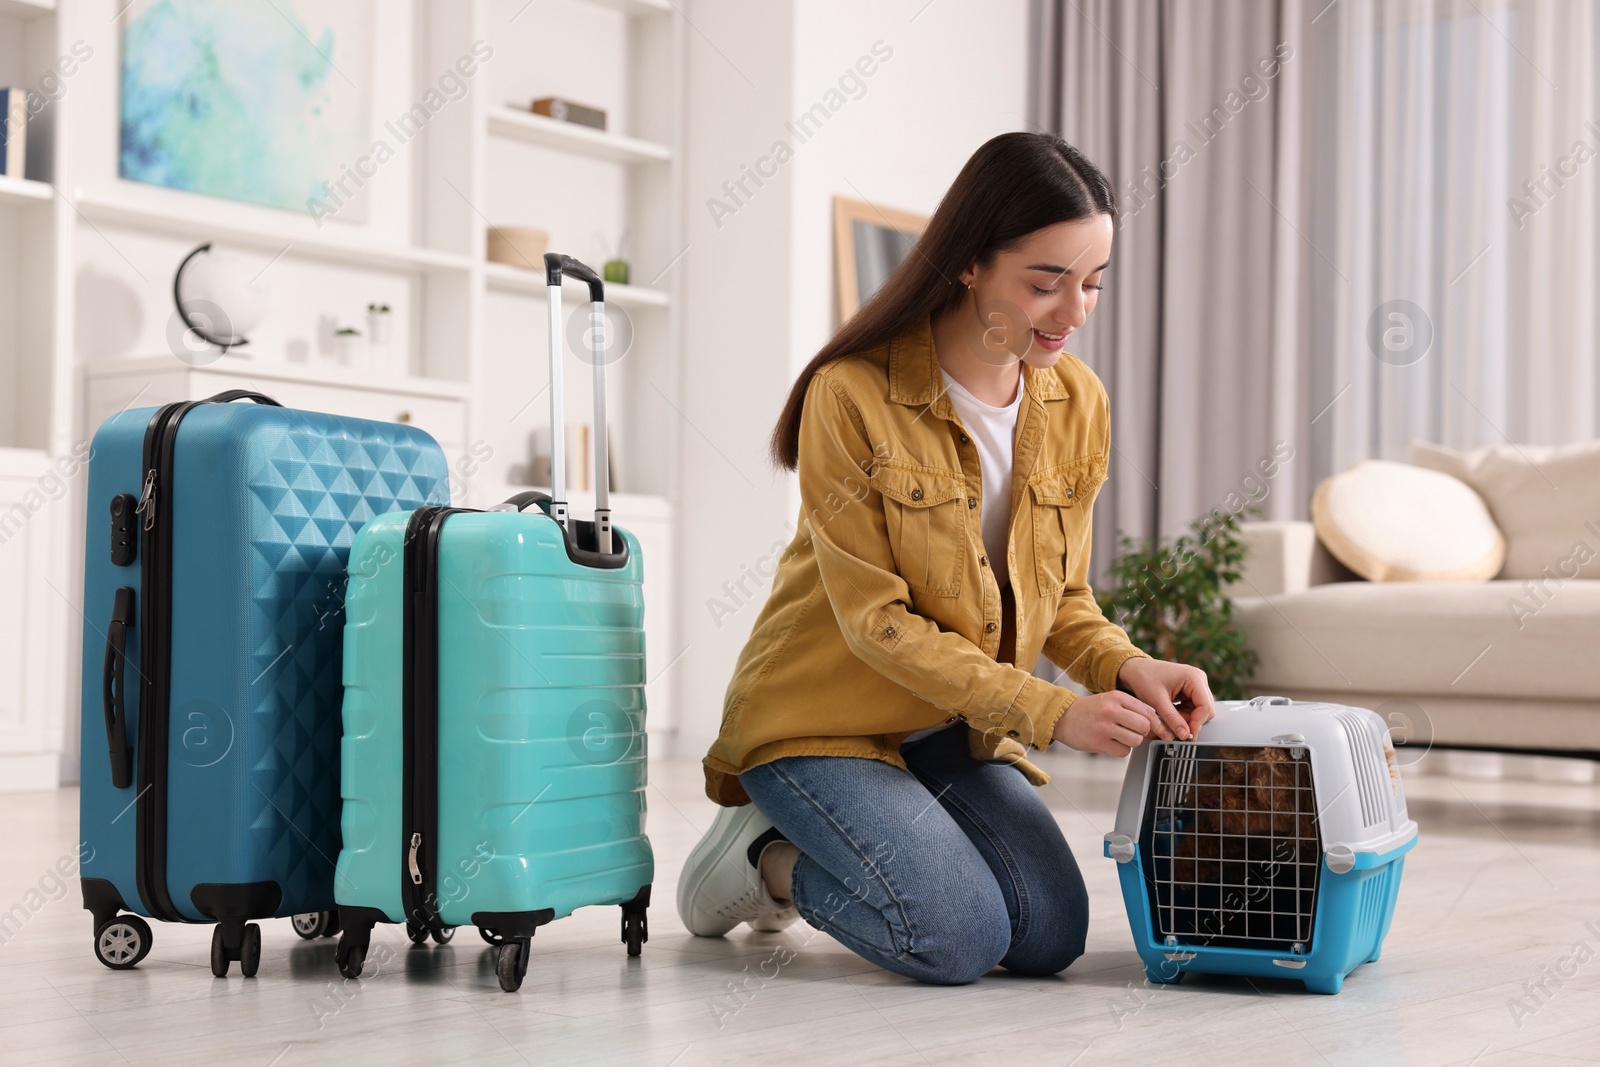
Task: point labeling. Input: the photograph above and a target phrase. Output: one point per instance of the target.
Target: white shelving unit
(87, 258)
(569, 137)
(20, 192)
(108, 207)
(511, 279)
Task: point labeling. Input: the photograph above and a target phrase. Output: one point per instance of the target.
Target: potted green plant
(344, 344)
(378, 323)
(1170, 599)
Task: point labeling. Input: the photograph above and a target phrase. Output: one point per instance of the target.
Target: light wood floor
(1504, 884)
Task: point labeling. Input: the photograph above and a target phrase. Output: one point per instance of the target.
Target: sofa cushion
(1544, 498)
(1497, 638)
(1392, 522)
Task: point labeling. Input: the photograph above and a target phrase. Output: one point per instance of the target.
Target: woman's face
(1031, 298)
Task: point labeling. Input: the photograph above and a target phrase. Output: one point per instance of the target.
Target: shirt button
(988, 627)
(916, 494)
(952, 720)
(965, 439)
(983, 561)
(1012, 733)
(1069, 490)
(888, 631)
(972, 502)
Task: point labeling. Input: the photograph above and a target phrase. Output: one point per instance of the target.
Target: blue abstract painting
(255, 100)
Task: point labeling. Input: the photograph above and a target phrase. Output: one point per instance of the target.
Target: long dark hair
(1014, 184)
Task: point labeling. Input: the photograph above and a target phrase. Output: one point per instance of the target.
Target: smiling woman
(885, 692)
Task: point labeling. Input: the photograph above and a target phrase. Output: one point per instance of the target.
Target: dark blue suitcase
(213, 619)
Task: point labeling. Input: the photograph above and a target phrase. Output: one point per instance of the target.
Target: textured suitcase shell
(1361, 823)
(541, 722)
(264, 506)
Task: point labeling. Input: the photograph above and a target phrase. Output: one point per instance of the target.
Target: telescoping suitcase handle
(555, 266)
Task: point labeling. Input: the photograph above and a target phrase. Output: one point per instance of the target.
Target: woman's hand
(1178, 692)
(1113, 723)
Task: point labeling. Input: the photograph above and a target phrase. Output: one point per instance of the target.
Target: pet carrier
(1272, 848)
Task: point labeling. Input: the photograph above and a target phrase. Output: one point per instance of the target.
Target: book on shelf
(555, 107)
(14, 134)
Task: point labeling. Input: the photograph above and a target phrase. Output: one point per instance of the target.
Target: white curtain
(1350, 259)
(1444, 110)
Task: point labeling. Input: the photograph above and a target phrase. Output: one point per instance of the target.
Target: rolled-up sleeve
(872, 602)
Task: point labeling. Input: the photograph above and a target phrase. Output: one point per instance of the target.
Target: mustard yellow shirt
(885, 617)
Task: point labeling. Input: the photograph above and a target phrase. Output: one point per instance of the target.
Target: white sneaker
(721, 886)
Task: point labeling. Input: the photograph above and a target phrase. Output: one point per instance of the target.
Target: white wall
(759, 291)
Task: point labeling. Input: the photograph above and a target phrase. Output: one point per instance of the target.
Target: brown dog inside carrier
(1231, 846)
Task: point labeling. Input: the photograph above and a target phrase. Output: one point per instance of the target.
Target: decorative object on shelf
(518, 246)
(868, 244)
(566, 111)
(13, 132)
(344, 344)
(616, 267)
(207, 96)
(218, 300)
(378, 323)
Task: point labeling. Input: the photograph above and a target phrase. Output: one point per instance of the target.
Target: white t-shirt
(993, 430)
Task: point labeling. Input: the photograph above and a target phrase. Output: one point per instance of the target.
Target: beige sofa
(1455, 664)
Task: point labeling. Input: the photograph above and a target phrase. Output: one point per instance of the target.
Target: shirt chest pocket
(1061, 500)
(925, 512)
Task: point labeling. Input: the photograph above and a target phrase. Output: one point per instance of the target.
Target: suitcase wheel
(634, 932)
(246, 949)
(121, 942)
(420, 932)
(219, 953)
(314, 924)
(635, 923)
(250, 951)
(350, 955)
(512, 965)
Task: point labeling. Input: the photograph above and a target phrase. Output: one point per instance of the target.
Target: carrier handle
(242, 394)
(114, 685)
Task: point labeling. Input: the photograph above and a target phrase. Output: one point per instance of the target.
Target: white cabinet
(437, 406)
(35, 503)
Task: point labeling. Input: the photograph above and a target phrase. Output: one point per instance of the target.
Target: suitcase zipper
(155, 665)
(420, 712)
(147, 500)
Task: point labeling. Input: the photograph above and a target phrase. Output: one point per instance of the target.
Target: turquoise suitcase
(493, 759)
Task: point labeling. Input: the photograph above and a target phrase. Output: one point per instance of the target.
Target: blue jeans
(939, 873)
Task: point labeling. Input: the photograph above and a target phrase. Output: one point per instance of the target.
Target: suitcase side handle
(242, 394)
(114, 686)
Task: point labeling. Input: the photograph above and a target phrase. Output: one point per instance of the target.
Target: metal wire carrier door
(1231, 846)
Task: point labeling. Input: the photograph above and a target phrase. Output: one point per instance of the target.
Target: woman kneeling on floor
(949, 453)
